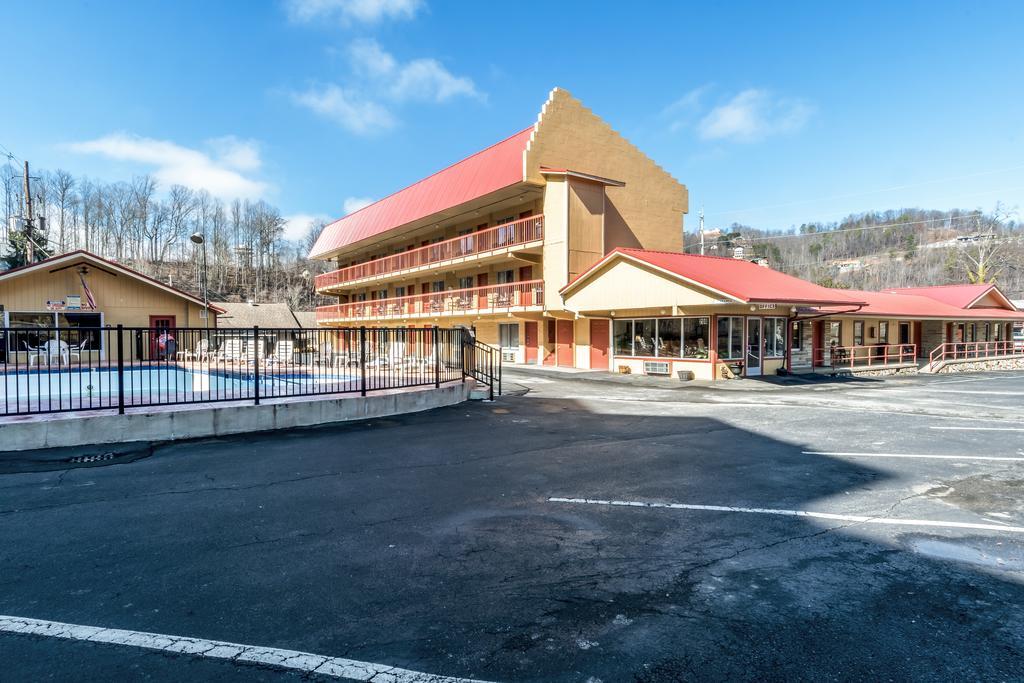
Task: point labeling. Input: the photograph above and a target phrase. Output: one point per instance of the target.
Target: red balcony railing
(504, 236)
(972, 350)
(493, 299)
(865, 356)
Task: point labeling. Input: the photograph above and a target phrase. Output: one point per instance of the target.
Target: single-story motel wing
(80, 290)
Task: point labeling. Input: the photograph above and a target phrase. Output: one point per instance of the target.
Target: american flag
(88, 292)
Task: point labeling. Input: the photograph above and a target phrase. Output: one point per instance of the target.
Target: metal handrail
(503, 236)
(971, 350)
(483, 363)
(867, 355)
(468, 300)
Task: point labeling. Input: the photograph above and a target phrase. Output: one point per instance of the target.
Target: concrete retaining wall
(189, 422)
(952, 366)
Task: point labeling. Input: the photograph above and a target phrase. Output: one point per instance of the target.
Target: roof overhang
(579, 175)
(591, 272)
(998, 294)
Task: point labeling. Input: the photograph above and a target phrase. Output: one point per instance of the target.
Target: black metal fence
(50, 370)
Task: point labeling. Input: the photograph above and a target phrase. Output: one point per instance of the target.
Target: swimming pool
(73, 388)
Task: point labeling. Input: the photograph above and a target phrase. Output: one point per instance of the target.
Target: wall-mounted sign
(74, 302)
(55, 305)
(766, 307)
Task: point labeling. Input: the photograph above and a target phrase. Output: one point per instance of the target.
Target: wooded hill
(880, 249)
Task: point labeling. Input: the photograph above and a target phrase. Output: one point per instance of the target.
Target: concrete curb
(211, 420)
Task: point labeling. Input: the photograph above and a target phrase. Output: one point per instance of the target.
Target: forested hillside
(148, 227)
(896, 248)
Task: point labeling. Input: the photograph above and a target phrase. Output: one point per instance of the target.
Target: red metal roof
(961, 296)
(735, 278)
(905, 304)
(491, 169)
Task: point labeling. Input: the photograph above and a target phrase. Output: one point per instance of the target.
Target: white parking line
(215, 649)
(861, 519)
(979, 429)
(919, 455)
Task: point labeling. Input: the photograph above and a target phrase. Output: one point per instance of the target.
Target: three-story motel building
(561, 245)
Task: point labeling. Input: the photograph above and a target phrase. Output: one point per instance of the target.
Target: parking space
(578, 530)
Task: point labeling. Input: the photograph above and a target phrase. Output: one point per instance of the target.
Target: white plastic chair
(57, 348)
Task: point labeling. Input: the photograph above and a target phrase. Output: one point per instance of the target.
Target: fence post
(120, 370)
(362, 361)
(437, 359)
(490, 368)
(256, 362)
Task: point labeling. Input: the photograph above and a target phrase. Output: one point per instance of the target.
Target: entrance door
(158, 324)
(817, 343)
(549, 358)
(481, 281)
(754, 347)
(530, 342)
(563, 343)
(599, 334)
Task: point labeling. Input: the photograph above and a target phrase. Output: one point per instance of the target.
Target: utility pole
(29, 247)
(701, 214)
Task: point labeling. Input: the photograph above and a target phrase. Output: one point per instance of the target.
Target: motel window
(988, 332)
(437, 286)
(76, 321)
(858, 333)
(696, 337)
(28, 321)
(399, 291)
(883, 332)
(730, 338)
(998, 330)
(798, 335)
(506, 277)
(834, 333)
(466, 282)
(972, 330)
(622, 331)
(774, 337)
(508, 334)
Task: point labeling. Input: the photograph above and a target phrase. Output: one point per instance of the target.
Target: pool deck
(200, 420)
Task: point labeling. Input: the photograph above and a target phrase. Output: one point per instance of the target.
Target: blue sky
(772, 116)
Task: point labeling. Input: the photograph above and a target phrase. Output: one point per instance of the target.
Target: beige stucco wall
(622, 285)
(647, 212)
(121, 298)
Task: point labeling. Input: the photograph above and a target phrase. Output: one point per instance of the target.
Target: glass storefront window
(774, 337)
(696, 339)
(669, 337)
(644, 332)
(730, 338)
(623, 333)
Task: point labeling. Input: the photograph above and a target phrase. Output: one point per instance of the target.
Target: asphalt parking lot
(577, 529)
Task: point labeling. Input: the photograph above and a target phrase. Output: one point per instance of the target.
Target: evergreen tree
(17, 246)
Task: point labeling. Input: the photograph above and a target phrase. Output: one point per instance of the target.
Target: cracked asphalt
(428, 541)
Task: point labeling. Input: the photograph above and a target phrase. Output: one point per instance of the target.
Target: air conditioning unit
(508, 356)
(653, 367)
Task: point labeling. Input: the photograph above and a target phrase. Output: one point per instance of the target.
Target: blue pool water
(156, 384)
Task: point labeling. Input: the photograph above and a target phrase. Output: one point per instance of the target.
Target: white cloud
(346, 108)
(347, 11)
(220, 173)
(296, 226)
(754, 114)
(684, 110)
(380, 82)
(353, 204)
(423, 80)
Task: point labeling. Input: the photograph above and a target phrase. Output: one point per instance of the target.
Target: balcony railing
(512, 234)
(873, 355)
(973, 350)
(474, 300)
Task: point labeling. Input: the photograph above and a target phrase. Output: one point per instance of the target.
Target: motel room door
(599, 339)
(563, 343)
(530, 341)
(157, 325)
(755, 346)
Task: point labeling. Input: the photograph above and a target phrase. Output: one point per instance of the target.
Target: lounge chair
(230, 351)
(200, 353)
(75, 351)
(284, 352)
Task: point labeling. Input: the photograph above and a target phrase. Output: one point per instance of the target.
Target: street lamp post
(197, 238)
